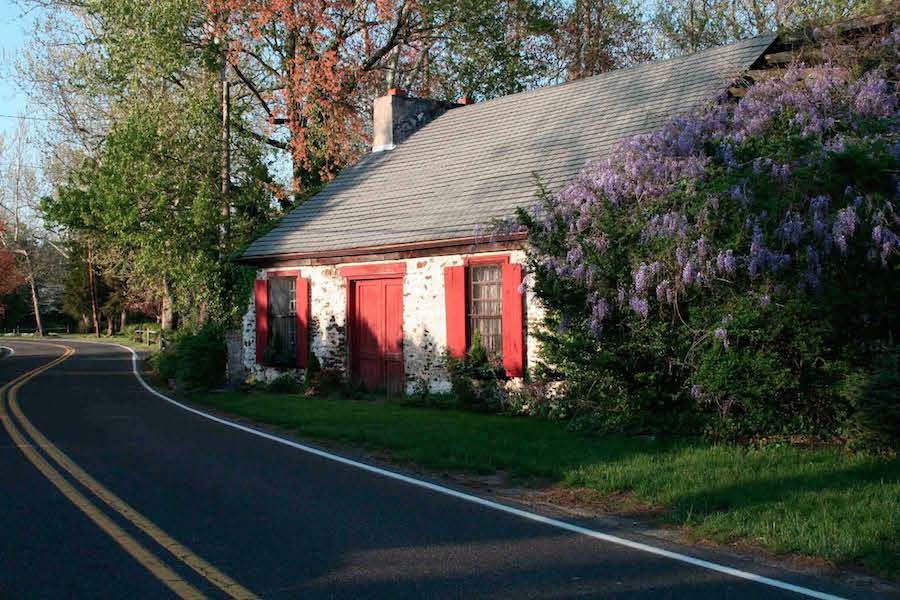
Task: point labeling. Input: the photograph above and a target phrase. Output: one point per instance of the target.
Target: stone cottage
(383, 270)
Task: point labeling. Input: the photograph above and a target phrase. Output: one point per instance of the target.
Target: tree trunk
(294, 199)
(109, 326)
(167, 317)
(226, 157)
(38, 326)
(90, 260)
(202, 313)
(123, 319)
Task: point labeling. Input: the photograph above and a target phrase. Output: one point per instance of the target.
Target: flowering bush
(732, 271)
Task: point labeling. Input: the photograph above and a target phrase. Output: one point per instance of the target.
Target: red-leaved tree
(306, 66)
(10, 277)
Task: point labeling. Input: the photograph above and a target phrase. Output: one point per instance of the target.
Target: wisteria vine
(661, 182)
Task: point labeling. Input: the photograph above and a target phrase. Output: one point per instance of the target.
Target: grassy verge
(828, 504)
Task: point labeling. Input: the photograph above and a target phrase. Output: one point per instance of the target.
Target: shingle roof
(477, 163)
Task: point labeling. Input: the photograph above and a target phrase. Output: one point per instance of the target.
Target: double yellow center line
(15, 419)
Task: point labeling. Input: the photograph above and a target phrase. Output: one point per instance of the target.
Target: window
(282, 321)
(485, 306)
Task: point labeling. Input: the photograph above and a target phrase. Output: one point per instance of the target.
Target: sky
(13, 28)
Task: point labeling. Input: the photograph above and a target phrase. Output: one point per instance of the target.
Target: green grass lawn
(824, 503)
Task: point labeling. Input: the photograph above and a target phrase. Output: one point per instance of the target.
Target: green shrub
(165, 363)
(313, 369)
(474, 379)
(289, 383)
(132, 327)
(196, 359)
(874, 398)
(202, 358)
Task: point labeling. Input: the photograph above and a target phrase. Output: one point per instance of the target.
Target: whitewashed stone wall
(424, 321)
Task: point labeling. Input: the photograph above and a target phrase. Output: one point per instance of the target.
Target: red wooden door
(377, 333)
(392, 342)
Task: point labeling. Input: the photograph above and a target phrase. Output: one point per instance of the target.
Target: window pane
(282, 321)
(281, 296)
(485, 307)
(292, 309)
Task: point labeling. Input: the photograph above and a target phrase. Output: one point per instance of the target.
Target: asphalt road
(145, 500)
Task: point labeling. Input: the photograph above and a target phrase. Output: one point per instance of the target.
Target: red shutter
(261, 293)
(513, 327)
(455, 303)
(302, 288)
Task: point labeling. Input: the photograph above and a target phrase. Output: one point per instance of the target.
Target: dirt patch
(588, 502)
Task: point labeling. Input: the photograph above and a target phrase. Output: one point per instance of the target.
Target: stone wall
(424, 321)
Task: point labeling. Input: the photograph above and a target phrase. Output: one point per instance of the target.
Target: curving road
(109, 491)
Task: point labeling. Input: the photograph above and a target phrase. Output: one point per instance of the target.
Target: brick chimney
(398, 115)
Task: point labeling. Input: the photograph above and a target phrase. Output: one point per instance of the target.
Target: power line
(13, 163)
(29, 118)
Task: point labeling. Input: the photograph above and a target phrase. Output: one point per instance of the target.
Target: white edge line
(12, 351)
(697, 562)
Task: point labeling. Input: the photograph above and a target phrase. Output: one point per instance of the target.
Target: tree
(10, 278)
(153, 199)
(483, 50)
(150, 205)
(596, 36)
(24, 236)
(312, 69)
(691, 25)
(166, 176)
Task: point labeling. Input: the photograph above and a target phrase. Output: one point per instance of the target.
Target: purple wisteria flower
(671, 224)
(844, 227)
(689, 273)
(722, 335)
(652, 184)
(872, 96)
(726, 262)
(601, 309)
(819, 208)
(739, 194)
(782, 172)
(642, 278)
(639, 305)
(791, 229)
(810, 277)
(886, 242)
(664, 292)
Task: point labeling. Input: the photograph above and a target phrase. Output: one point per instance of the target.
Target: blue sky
(13, 28)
